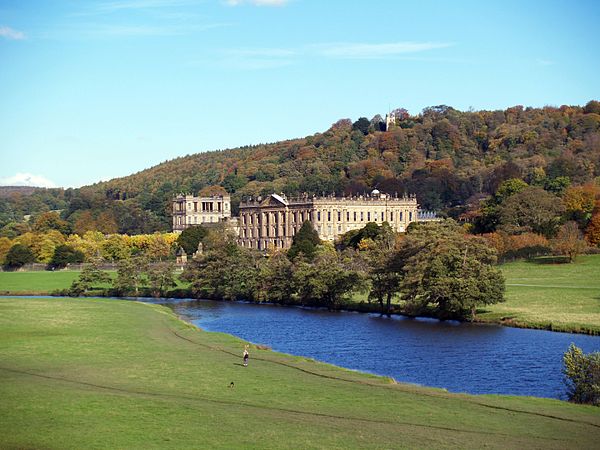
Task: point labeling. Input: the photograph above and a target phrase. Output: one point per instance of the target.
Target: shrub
(582, 376)
(18, 256)
(63, 255)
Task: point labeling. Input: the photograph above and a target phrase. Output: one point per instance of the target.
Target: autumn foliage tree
(569, 241)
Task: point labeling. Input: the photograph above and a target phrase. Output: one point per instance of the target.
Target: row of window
(194, 220)
(204, 206)
(357, 216)
(270, 232)
(264, 244)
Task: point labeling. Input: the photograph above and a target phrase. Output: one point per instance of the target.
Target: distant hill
(449, 158)
(7, 191)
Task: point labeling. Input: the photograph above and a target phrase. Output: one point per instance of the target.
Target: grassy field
(42, 282)
(563, 297)
(99, 373)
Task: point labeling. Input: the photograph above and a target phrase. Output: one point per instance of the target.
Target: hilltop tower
(390, 120)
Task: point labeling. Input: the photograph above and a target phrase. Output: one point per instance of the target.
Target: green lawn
(42, 282)
(99, 373)
(557, 296)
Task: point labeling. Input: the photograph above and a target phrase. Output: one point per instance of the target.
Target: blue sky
(92, 90)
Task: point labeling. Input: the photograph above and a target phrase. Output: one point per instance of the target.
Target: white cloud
(256, 2)
(9, 33)
(545, 62)
(269, 58)
(27, 179)
(132, 5)
(363, 51)
(262, 52)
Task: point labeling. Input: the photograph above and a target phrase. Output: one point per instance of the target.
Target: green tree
(532, 209)
(557, 185)
(64, 255)
(90, 276)
(582, 374)
(508, 188)
(326, 281)
(130, 275)
(225, 270)
(592, 107)
(191, 237)
(161, 277)
(385, 281)
(18, 255)
(232, 182)
(445, 269)
(276, 279)
(305, 242)
(370, 231)
(362, 125)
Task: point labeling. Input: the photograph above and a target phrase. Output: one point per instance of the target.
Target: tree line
(48, 240)
(435, 269)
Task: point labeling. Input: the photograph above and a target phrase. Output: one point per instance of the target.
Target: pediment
(274, 200)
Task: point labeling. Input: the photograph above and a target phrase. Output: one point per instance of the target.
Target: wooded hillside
(449, 158)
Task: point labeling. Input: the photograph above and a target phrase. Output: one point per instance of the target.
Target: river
(460, 357)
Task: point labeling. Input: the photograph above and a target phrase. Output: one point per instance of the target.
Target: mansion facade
(272, 222)
(189, 210)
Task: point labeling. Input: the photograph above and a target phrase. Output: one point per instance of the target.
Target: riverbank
(539, 295)
(98, 373)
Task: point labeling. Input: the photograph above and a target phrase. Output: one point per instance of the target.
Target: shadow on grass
(550, 260)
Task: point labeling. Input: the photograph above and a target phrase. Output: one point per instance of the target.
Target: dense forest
(454, 161)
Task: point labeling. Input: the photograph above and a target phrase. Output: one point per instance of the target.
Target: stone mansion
(272, 221)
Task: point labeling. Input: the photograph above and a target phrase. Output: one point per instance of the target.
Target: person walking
(246, 356)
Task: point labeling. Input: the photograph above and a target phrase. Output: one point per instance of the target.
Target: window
(318, 216)
(362, 216)
(355, 216)
(382, 216)
(329, 216)
(400, 216)
(348, 216)
(410, 216)
(392, 216)
(368, 216)
(339, 216)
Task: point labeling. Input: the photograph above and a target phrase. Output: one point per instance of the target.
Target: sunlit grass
(93, 373)
(557, 296)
